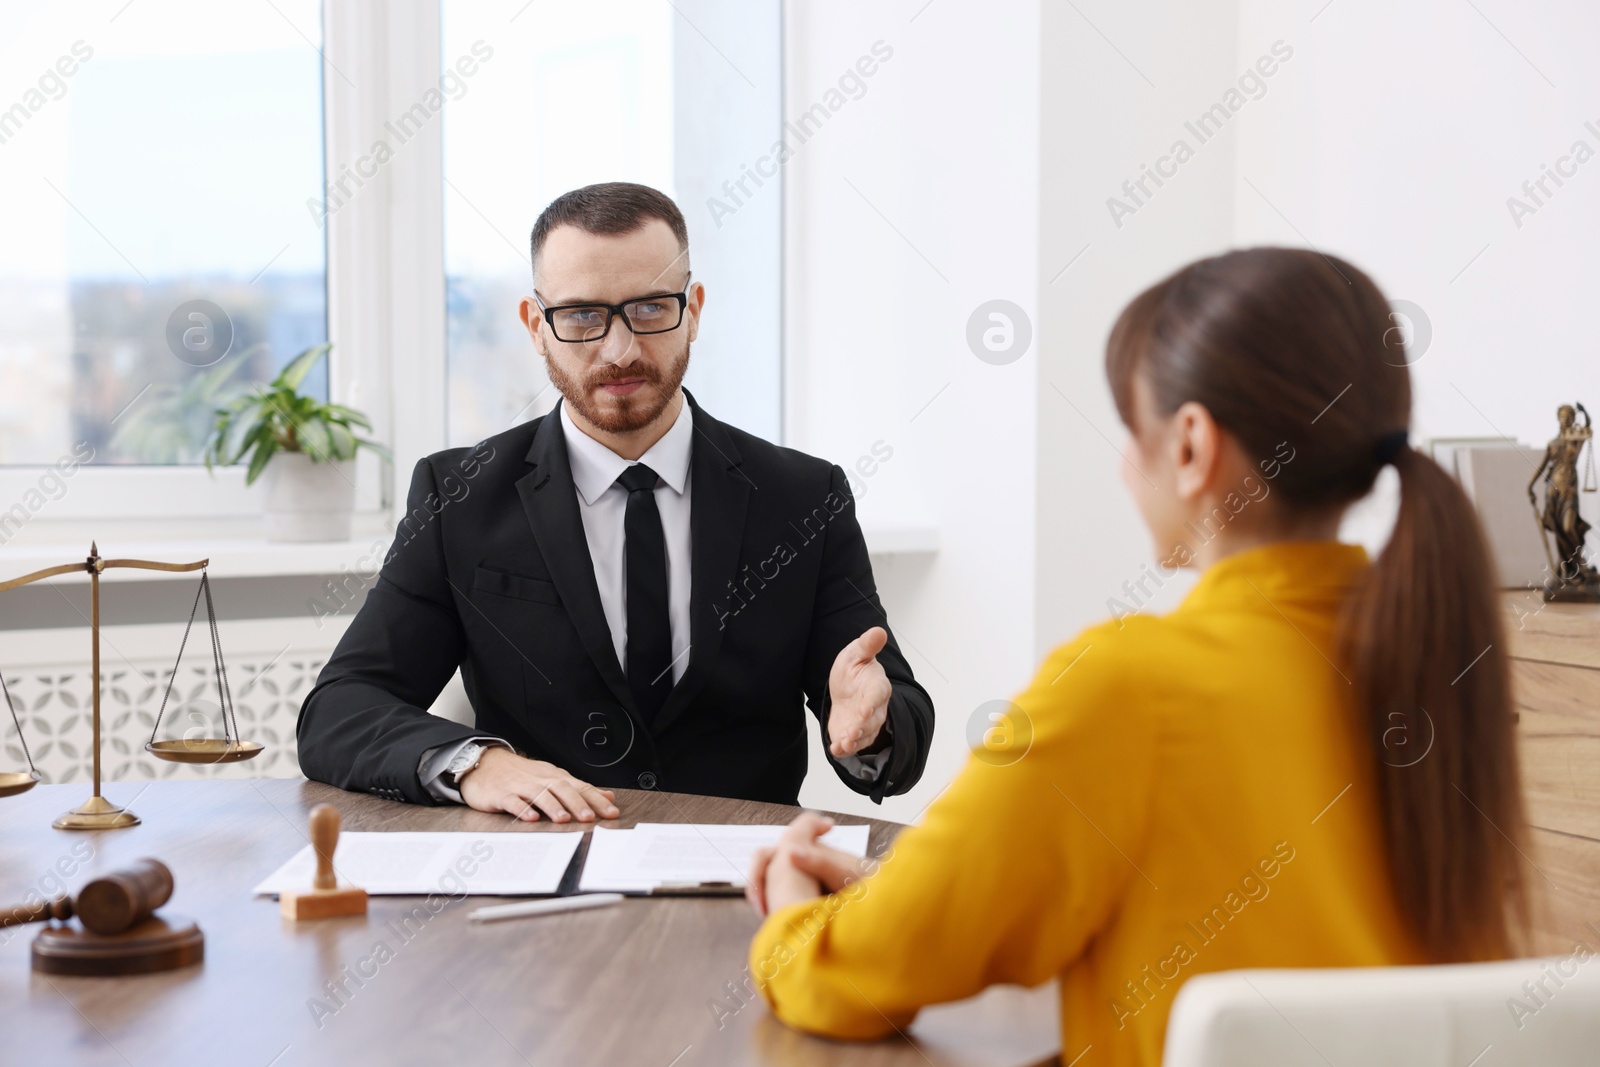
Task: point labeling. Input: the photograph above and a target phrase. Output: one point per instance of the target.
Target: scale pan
(14, 782)
(204, 750)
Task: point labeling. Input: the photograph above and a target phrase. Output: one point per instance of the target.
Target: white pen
(542, 907)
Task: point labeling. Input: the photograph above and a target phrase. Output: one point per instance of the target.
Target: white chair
(1539, 1012)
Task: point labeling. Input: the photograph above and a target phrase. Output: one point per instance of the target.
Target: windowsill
(230, 557)
(901, 540)
(233, 557)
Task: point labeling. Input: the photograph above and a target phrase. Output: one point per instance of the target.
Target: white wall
(989, 147)
(1119, 83)
(1401, 132)
(1397, 142)
(909, 207)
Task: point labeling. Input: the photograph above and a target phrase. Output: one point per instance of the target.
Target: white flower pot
(308, 501)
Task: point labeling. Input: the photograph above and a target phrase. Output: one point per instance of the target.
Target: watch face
(463, 762)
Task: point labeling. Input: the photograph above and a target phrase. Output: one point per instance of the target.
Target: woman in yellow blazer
(1309, 763)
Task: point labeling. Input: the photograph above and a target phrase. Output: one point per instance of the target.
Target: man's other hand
(505, 781)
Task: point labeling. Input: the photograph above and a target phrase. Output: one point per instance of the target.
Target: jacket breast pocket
(516, 586)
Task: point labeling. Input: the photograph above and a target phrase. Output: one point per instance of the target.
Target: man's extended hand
(505, 781)
(859, 692)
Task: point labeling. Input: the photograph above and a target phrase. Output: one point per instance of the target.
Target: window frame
(385, 305)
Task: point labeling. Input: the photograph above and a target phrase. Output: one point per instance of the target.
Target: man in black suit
(637, 595)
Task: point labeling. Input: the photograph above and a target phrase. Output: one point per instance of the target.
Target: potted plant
(173, 421)
(306, 448)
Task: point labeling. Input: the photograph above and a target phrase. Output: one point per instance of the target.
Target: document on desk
(661, 856)
(414, 863)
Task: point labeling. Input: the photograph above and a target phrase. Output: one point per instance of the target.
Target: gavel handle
(59, 908)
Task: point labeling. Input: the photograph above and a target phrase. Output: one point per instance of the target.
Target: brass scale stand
(98, 813)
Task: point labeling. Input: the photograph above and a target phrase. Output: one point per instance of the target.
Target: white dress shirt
(603, 503)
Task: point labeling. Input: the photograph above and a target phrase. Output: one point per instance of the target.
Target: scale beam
(103, 564)
(151, 565)
(39, 576)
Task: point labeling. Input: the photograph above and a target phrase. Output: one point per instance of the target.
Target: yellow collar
(1295, 571)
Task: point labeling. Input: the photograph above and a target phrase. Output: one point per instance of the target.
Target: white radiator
(271, 665)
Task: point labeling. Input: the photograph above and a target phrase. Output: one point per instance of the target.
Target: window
(159, 255)
(566, 98)
(164, 152)
(613, 90)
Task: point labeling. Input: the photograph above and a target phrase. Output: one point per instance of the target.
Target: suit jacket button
(647, 780)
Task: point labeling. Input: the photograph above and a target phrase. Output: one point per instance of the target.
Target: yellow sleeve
(1012, 872)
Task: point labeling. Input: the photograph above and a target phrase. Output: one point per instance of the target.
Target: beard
(620, 414)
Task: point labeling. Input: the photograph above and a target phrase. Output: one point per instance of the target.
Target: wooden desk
(1555, 672)
(632, 984)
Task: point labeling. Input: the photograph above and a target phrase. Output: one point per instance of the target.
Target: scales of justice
(98, 813)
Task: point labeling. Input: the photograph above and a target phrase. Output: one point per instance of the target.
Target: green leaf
(292, 375)
(343, 441)
(263, 435)
(350, 416)
(315, 439)
(258, 462)
(275, 414)
(376, 447)
(213, 378)
(240, 427)
(242, 401)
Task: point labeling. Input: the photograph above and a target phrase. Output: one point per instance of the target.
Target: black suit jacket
(490, 572)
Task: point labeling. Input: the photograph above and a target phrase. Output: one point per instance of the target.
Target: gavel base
(157, 944)
(323, 903)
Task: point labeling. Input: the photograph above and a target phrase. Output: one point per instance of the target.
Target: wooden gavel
(109, 904)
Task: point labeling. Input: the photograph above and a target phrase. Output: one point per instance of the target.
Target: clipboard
(686, 859)
(697, 889)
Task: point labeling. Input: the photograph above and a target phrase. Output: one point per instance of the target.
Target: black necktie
(649, 643)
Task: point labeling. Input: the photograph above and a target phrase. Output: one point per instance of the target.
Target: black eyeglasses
(591, 322)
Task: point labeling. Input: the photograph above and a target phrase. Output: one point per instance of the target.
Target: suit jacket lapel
(720, 492)
(551, 502)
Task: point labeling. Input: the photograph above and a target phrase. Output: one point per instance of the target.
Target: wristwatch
(463, 763)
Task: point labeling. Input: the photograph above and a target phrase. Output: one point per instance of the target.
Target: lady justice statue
(1572, 577)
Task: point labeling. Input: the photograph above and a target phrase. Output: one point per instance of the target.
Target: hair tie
(1390, 445)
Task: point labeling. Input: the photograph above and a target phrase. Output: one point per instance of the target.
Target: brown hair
(1284, 344)
(608, 208)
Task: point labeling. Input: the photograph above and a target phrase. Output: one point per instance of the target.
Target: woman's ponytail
(1428, 660)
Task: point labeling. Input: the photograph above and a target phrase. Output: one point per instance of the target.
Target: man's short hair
(608, 208)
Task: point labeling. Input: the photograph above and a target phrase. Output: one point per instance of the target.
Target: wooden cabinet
(1555, 671)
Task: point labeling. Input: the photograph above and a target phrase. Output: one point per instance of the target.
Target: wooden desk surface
(632, 984)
